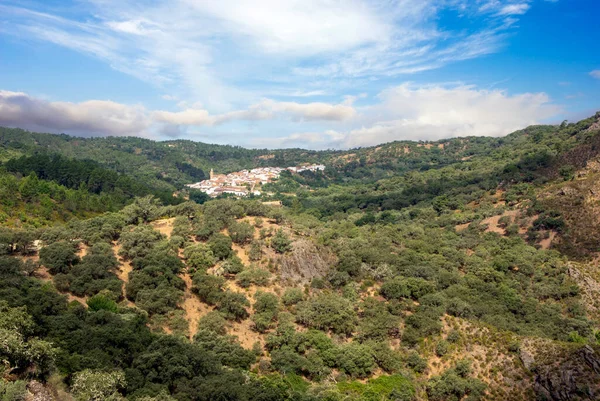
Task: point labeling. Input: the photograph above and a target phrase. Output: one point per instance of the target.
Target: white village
(246, 182)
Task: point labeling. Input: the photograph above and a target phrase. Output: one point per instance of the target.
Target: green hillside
(463, 269)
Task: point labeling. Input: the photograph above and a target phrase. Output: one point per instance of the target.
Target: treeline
(83, 174)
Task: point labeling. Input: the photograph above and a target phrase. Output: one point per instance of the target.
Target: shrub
(356, 360)
(241, 233)
(292, 296)
(199, 257)
(59, 257)
(233, 265)
(259, 277)
(213, 321)
(233, 305)
(281, 242)
(441, 348)
(416, 363)
(220, 245)
(328, 312)
(208, 287)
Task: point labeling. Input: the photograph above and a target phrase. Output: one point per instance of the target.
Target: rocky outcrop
(575, 378)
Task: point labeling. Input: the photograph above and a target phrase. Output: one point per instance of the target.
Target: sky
(318, 74)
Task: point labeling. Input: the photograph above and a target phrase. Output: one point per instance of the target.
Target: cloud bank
(404, 112)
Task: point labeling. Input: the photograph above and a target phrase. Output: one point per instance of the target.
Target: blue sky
(297, 73)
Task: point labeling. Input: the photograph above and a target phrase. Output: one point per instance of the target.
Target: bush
(213, 321)
(233, 265)
(292, 296)
(259, 277)
(328, 312)
(281, 242)
(220, 245)
(441, 348)
(102, 302)
(208, 287)
(416, 363)
(13, 391)
(199, 257)
(233, 305)
(59, 257)
(255, 253)
(266, 309)
(356, 360)
(241, 233)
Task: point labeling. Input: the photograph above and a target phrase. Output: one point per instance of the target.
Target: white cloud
(595, 74)
(101, 117)
(514, 9)
(93, 117)
(206, 50)
(409, 112)
(265, 110)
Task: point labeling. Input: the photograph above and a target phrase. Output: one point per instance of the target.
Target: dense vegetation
(404, 272)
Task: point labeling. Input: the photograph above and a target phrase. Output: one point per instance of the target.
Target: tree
(255, 253)
(241, 233)
(142, 210)
(139, 242)
(266, 309)
(356, 360)
(199, 257)
(328, 312)
(220, 245)
(59, 257)
(233, 305)
(89, 385)
(292, 296)
(281, 242)
(208, 287)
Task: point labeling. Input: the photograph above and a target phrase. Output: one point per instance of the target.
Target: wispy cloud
(595, 74)
(205, 50)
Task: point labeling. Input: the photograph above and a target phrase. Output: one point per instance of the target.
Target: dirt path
(194, 309)
(123, 272)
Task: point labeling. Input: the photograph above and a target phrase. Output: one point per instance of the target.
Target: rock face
(39, 392)
(575, 378)
(305, 262)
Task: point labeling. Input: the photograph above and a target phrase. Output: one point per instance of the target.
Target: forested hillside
(464, 269)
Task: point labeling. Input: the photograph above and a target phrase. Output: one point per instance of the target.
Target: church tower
(212, 174)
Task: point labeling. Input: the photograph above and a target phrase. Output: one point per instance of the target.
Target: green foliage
(213, 321)
(91, 385)
(199, 257)
(139, 241)
(233, 265)
(59, 257)
(455, 384)
(13, 391)
(256, 252)
(327, 311)
(209, 288)
(292, 296)
(281, 242)
(225, 349)
(384, 388)
(266, 309)
(102, 302)
(253, 276)
(356, 360)
(241, 233)
(233, 305)
(220, 245)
